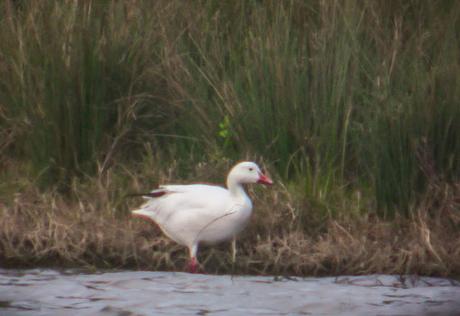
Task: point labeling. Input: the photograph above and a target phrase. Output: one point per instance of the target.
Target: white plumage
(200, 213)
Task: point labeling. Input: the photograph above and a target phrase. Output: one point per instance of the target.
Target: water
(126, 293)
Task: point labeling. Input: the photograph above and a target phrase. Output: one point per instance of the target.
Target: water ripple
(129, 293)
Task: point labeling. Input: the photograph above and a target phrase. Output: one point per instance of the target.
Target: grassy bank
(94, 230)
(352, 106)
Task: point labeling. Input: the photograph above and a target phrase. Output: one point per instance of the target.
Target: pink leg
(192, 266)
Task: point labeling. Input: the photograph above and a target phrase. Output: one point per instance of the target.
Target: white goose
(200, 213)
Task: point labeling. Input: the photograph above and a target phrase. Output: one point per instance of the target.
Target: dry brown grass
(90, 226)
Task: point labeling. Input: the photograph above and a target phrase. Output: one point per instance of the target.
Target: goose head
(247, 172)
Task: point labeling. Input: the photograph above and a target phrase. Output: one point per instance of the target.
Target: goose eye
(250, 169)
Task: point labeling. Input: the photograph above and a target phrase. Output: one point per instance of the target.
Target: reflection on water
(126, 293)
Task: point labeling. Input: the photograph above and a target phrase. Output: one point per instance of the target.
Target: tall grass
(74, 79)
(341, 98)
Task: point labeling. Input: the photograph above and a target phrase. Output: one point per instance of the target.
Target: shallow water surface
(51, 292)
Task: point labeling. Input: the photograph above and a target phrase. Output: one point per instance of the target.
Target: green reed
(339, 98)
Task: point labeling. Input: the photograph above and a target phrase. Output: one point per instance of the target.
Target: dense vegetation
(352, 106)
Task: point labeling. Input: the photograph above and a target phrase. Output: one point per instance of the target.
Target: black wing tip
(153, 194)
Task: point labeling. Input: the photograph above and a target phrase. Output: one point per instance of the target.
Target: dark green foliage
(341, 98)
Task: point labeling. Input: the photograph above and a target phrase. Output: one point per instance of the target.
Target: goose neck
(236, 188)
